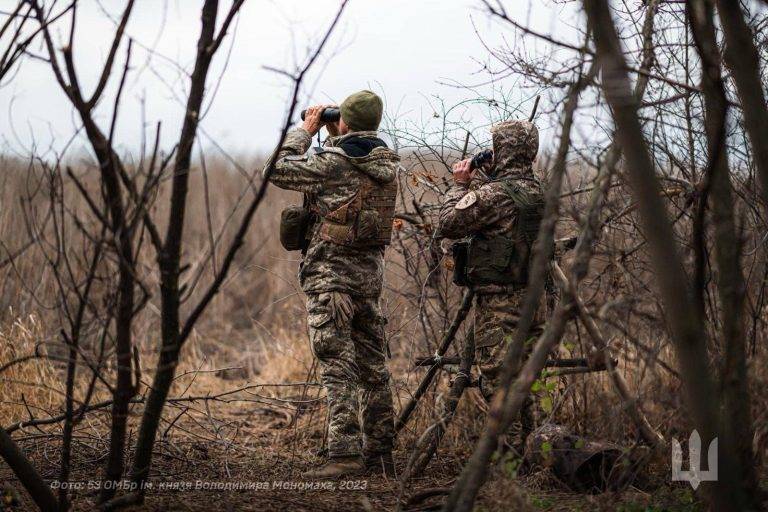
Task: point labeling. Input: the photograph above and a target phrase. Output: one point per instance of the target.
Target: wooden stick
(430, 440)
(577, 362)
(535, 108)
(648, 433)
(461, 314)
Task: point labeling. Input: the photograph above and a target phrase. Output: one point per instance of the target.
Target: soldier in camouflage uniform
(486, 207)
(350, 186)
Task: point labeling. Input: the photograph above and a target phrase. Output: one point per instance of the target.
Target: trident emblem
(695, 475)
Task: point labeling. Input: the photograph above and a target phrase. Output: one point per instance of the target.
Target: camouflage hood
(369, 154)
(515, 145)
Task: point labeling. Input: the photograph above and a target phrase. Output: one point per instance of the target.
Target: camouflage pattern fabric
(515, 145)
(492, 212)
(351, 352)
(331, 179)
(496, 317)
(343, 285)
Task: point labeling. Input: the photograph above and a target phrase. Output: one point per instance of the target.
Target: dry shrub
(34, 383)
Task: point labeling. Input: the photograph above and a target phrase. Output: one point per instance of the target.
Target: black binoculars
(481, 158)
(329, 115)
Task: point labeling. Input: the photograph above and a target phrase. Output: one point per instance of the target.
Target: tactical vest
(502, 260)
(365, 220)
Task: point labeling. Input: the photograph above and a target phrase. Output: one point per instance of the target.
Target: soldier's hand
(312, 121)
(462, 172)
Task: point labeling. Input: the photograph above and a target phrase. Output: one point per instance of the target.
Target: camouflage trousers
(352, 358)
(496, 319)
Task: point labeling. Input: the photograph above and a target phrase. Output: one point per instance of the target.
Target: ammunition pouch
(460, 252)
(498, 260)
(295, 223)
(381, 202)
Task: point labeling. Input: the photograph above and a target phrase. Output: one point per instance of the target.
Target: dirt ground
(248, 458)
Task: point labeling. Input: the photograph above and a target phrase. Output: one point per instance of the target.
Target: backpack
(502, 260)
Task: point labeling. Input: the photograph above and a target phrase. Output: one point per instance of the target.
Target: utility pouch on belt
(460, 251)
(497, 260)
(294, 223)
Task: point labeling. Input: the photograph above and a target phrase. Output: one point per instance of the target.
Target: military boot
(336, 467)
(380, 464)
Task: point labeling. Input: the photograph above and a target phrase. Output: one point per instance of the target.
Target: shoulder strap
(520, 197)
(531, 210)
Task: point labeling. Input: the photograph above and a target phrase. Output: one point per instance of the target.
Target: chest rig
(501, 260)
(365, 220)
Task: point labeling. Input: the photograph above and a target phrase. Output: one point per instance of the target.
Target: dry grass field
(246, 406)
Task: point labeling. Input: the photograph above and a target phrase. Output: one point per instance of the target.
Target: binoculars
(329, 115)
(481, 158)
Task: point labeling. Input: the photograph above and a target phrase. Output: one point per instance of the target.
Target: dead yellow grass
(35, 383)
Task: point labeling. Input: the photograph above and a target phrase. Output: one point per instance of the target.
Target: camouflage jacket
(330, 178)
(486, 207)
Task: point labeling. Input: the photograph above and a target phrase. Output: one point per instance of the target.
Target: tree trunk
(170, 257)
(742, 58)
(736, 422)
(684, 321)
(27, 474)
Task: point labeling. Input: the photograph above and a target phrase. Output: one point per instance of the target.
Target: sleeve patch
(466, 201)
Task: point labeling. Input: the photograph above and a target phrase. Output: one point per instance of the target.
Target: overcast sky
(407, 50)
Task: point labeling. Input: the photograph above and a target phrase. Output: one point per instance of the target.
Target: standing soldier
(500, 219)
(349, 188)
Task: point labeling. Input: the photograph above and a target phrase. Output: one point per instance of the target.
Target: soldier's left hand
(312, 122)
(462, 172)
